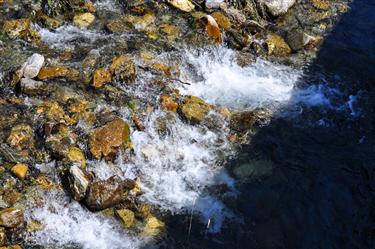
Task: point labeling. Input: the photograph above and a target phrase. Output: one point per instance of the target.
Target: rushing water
(288, 198)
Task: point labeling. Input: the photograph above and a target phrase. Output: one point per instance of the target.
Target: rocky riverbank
(96, 120)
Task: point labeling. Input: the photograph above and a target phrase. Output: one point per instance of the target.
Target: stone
(2, 236)
(57, 71)
(79, 182)
(298, 40)
(153, 227)
(101, 77)
(184, 5)
(277, 46)
(141, 23)
(83, 20)
(168, 103)
(212, 29)
(49, 22)
(171, 30)
(75, 155)
(11, 217)
(15, 28)
(105, 141)
(118, 26)
(278, 7)
(11, 247)
(30, 69)
(126, 217)
(222, 20)
(20, 170)
(21, 137)
(321, 4)
(246, 120)
(194, 109)
(34, 225)
(213, 4)
(123, 68)
(33, 87)
(103, 194)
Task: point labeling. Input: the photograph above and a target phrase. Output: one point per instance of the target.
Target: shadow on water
(320, 193)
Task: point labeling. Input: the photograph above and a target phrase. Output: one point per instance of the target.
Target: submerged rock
(20, 170)
(106, 141)
(105, 193)
(184, 5)
(194, 109)
(79, 182)
(11, 217)
(278, 7)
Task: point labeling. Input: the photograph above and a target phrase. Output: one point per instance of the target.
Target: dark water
(320, 193)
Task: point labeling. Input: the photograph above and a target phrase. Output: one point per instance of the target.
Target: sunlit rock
(222, 20)
(153, 227)
(15, 28)
(11, 217)
(21, 137)
(83, 20)
(20, 170)
(75, 155)
(278, 7)
(212, 29)
(56, 72)
(30, 69)
(298, 40)
(321, 4)
(277, 46)
(213, 4)
(106, 141)
(126, 217)
(168, 103)
(101, 77)
(79, 182)
(194, 109)
(123, 68)
(184, 5)
(105, 193)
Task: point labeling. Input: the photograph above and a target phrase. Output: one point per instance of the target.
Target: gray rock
(11, 217)
(79, 182)
(278, 7)
(213, 4)
(33, 87)
(32, 66)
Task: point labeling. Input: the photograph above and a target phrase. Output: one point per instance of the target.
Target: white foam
(67, 223)
(220, 80)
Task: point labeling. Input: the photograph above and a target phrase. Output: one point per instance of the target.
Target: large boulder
(105, 193)
(278, 7)
(105, 141)
(11, 217)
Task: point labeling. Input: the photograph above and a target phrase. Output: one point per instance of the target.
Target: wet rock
(106, 141)
(278, 7)
(321, 4)
(104, 194)
(298, 40)
(123, 68)
(101, 77)
(213, 4)
(76, 156)
(247, 120)
(171, 30)
(33, 226)
(15, 28)
(168, 103)
(33, 87)
(126, 217)
(11, 217)
(57, 71)
(49, 22)
(184, 5)
(153, 227)
(11, 247)
(118, 26)
(10, 154)
(79, 182)
(254, 168)
(20, 170)
(222, 20)
(212, 29)
(21, 137)
(194, 109)
(32, 66)
(83, 20)
(3, 236)
(277, 46)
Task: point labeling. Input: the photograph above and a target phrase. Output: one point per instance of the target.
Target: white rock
(78, 182)
(184, 5)
(278, 7)
(213, 4)
(32, 66)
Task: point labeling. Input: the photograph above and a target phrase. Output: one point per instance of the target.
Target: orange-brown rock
(212, 29)
(101, 77)
(168, 103)
(20, 170)
(105, 141)
(57, 71)
(123, 67)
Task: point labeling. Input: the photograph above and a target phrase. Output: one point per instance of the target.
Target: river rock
(123, 68)
(194, 109)
(126, 217)
(76, 156)
(184, 5)
(79, 182)
(20, 170)
(83, 20)
(212, 29)
(21, 137)
(11, 217)
(213, 4)
(222, 20)
(15, 28)
(105, 193)
(277, 46)
(101, 77)
(246, 120)
(57, 71)
(33, 87)
(278, 7)
(298, 40)
(153, 227)
(168, 103)
(2, 233)
(32, 66)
